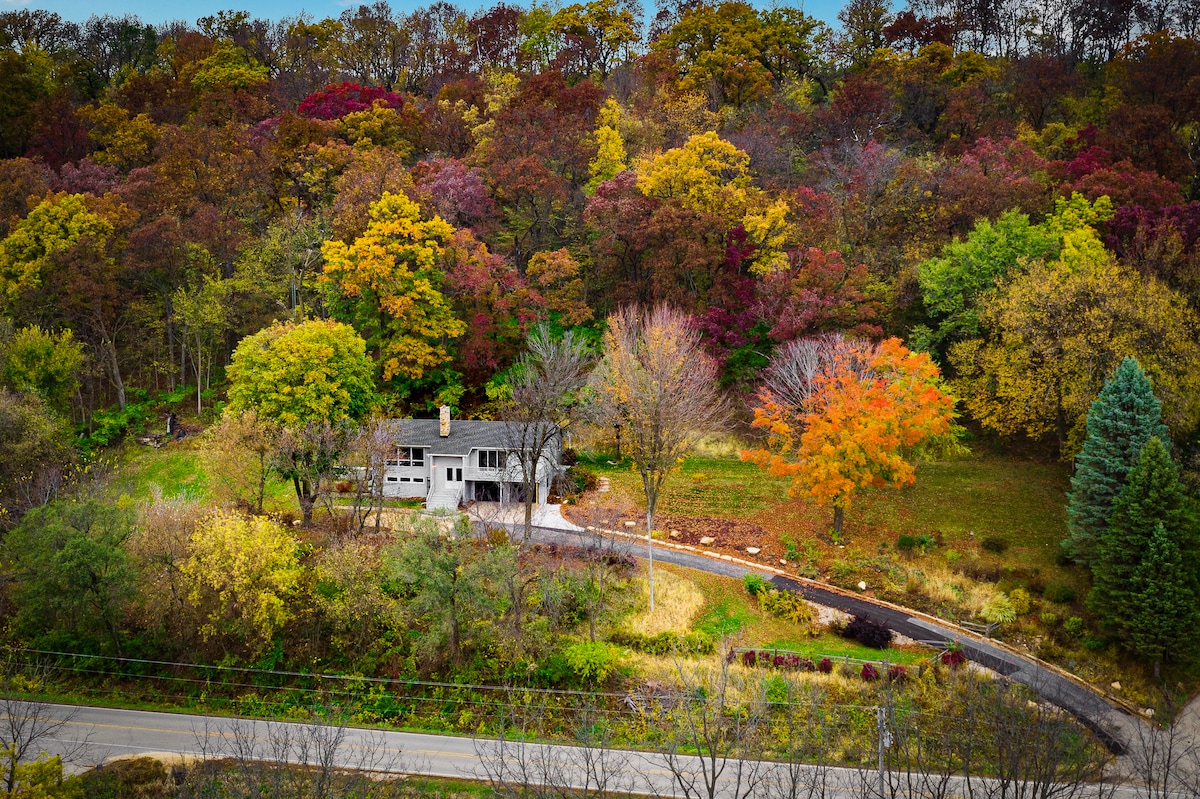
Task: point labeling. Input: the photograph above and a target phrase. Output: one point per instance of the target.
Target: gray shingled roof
(465, 435)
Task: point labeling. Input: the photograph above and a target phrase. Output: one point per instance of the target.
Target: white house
(451, 461)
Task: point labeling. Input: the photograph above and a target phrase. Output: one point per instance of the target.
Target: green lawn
(178, 471)
(955, 503)
(731, 613)
(713, 487)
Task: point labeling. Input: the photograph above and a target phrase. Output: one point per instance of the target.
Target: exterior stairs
(443, 499)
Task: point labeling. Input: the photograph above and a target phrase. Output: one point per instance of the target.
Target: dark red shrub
(868, 633)
(954, 657)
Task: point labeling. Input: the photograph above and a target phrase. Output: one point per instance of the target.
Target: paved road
(96, 735)
(1111, 724)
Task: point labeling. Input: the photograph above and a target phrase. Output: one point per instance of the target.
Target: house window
(408, 456)
(489, 459)
(391, 480)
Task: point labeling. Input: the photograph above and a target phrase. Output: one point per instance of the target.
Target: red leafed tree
(841, 414)
(334, 102)
(819, 292)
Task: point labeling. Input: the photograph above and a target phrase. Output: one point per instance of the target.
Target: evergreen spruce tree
(1152, 497)
(1162, 601)
(1124, 416)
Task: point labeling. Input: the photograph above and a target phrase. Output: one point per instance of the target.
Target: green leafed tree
(73, 578)
(39, 362)
(310, 381)
(952, 283)
(450, 578)
(1162, 600)
(35, 446)
(1124, 416)
(1152, 498)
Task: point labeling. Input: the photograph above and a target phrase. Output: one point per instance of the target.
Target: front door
(447, 472)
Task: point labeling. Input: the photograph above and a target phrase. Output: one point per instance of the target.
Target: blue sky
(158, 11)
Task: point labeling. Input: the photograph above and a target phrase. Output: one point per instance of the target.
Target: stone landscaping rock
(862, 585)
(707, 541)
(674, 534)
(631, 524)
(752, 550)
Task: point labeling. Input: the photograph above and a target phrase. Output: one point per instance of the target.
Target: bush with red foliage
(868, 633)
(954, 657)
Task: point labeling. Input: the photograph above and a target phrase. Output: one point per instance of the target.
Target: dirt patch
(730, 536)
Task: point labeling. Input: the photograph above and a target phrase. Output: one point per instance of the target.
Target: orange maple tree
(871, 409)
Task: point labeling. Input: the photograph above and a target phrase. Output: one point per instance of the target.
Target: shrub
(1074, 627)
(791, 551)
(592, 661)
(954, 657)
(786, 605)
(1020, 600)
(995, 544)
(869, 673)
(343, 486)
(1049, 619)
(578, 479)
(906, 543)
(749, 658)
(777, 690)
(1062, 593)
(998, 610)
(897, 675)
(755, 584)
(868, 633)
(825, 666)
(665, 643)
(141, 776)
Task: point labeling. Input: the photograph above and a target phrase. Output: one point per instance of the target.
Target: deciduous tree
(39, 362)
(1055, 332)
(240, 575)
(541, 396)
(842, 414)
(72, 573)
(388, 282)
(658, 383)
(309, 380)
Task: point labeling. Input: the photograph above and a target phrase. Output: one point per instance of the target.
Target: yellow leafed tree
(388, 284)
(240, 574)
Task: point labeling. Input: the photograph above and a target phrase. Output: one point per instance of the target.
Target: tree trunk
(651, 503)
(170, 319)
(261, 493)
(304, 495)
(839, 519)
(116, 373)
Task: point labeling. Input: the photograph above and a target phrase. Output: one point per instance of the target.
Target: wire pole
(884, 741)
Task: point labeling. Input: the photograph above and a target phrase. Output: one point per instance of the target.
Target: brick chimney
(445, 420)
